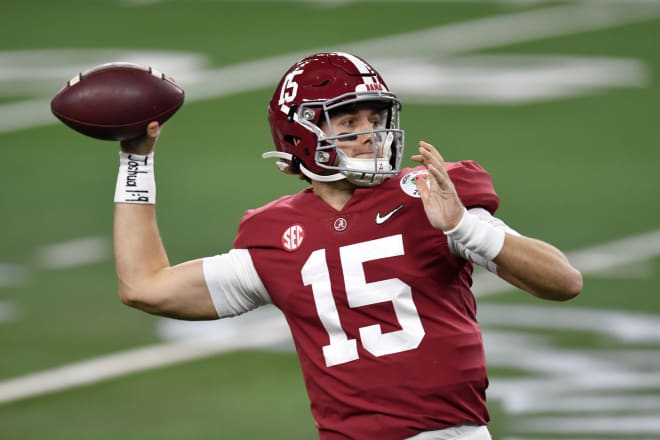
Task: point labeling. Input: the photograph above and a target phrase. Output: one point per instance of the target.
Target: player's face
(356, 130)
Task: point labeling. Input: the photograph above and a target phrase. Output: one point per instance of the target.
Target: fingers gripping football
(144, 144)
(441, 202)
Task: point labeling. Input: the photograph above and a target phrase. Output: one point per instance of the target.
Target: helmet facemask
(387, 140)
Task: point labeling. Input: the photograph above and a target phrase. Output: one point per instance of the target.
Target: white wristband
(477, 236)
(135, 180)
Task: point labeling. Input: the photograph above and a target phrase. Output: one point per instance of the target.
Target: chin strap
(282, 165)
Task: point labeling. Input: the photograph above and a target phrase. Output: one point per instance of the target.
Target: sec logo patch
(409, 182)
(293, 237)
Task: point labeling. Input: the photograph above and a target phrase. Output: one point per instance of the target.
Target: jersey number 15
(360, 293)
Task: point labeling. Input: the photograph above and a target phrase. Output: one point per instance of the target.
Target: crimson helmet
(310, 91)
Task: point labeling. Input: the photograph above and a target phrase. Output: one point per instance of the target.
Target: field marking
(630, 328)
(605, 425)
(268, 330)
(452, 39)
(133, 361)
(58, 256)
(599, 260)
(74, 253)
(13, 275)
(521, 3)
(509, 79)
(507, 29)
(446, 40)
(8, 311)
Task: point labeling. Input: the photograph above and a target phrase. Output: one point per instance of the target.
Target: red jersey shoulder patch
(293, 237)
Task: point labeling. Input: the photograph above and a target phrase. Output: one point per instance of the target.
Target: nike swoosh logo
(380, 219)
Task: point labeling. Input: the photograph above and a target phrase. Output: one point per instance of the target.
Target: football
(116, 101)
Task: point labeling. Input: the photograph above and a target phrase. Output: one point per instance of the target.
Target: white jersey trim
(233, 283)
(461, 251)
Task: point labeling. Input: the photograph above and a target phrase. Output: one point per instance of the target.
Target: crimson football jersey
(381, 312)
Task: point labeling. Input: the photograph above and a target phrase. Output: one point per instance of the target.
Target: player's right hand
(144, 144)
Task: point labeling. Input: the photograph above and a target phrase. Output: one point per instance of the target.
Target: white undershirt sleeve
(233, 283)
(461, 251)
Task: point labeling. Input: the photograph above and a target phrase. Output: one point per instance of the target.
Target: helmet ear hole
(295, 163)
(292, 113)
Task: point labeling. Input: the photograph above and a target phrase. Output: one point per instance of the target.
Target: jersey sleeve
(474, 185)
(254, 227)
(233, 283)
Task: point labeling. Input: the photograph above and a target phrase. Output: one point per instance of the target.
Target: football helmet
(309, 93)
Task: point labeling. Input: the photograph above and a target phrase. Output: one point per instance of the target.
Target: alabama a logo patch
(293, 237)
(340, 224)
(409, 182)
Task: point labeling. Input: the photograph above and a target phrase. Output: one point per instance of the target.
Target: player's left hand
(441, 203)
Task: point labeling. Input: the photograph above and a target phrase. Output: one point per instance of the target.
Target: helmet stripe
(363, 68)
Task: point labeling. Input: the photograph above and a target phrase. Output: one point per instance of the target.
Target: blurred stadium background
(560, 101)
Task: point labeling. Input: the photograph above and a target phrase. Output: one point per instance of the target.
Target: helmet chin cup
(369, 171)
(367, 178)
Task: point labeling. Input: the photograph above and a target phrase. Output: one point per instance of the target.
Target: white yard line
(639, 425)
(456, 38)
(595, 260)
(74, 253)
(133, 361)
(13, 275)
(8, 311)
(521, 3)
(58, 256)
(507, 29)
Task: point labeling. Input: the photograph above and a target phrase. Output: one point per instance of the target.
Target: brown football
(116, 101)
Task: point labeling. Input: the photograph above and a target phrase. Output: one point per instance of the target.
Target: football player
(370, 264)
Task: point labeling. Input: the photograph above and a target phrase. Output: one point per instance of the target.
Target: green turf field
(560, 101)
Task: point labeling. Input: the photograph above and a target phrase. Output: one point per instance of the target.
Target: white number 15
(361, 293)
